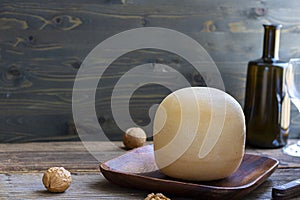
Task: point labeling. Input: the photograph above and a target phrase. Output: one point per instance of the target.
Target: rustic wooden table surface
(22, 167)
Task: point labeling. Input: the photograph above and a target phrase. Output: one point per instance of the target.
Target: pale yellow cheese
(199, 134)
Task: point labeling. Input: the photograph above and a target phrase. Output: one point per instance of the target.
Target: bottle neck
(271, 42)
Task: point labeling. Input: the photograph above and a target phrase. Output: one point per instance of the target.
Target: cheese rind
(199, 134)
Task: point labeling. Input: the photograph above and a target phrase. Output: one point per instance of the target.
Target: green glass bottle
(267, 105)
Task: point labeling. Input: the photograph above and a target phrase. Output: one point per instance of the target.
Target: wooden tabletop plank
(26, 157)
(285, 161)
(84, 186)
(29, 157)
(22, 166)
(92, 185)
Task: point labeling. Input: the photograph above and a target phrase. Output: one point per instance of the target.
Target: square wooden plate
(137, 169)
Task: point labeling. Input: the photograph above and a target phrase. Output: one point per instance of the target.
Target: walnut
(157, 196)
(134, 137)
(57, 179)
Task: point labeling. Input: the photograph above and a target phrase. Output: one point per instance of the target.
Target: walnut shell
(157, 196)
(134, 137)
(57, 179)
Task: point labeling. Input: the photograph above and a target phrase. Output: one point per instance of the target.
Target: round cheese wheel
(199, 134)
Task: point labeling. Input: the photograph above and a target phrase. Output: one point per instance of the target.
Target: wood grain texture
(38, 156)
(42, 45)
(25, 182)
(94, 185)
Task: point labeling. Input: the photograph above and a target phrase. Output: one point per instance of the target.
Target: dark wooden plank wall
(42, 44)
